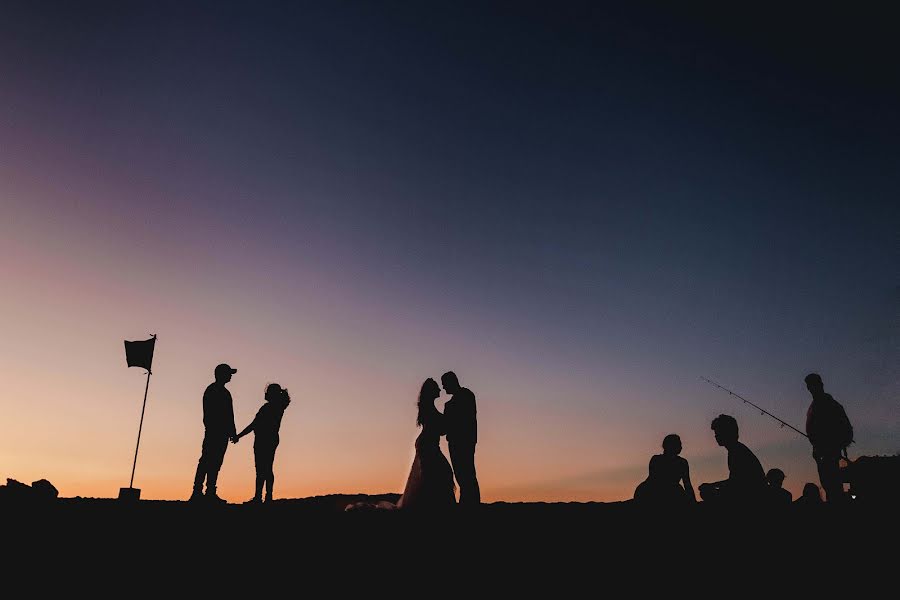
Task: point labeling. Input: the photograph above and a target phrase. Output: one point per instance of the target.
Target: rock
(18, 492)
(15, 491)
(12, 484)
(44, 489)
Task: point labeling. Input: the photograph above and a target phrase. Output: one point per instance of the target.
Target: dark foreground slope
(104, 547)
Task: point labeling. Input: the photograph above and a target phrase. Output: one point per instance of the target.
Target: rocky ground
(105, 546)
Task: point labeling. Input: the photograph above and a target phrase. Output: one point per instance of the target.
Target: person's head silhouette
(277, 394)
(450, 382)
(671, 444)
(725, 428)
(814, 384)
(430, 390)
(775, 477)
(427, 395)
(811, 493)
(224, 373)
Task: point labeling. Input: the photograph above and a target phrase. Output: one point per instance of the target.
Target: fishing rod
(762, 410)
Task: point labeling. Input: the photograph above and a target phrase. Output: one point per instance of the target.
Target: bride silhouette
(430, 484)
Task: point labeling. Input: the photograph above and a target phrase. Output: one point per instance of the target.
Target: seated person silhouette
(669, 480)
(811, 496)
(776, 495)
(746, 483)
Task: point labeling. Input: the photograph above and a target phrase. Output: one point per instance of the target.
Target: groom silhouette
(462, 435)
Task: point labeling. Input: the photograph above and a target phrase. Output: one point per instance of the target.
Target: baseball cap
(223, 368)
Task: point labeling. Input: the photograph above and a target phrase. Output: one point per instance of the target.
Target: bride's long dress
(430, 484)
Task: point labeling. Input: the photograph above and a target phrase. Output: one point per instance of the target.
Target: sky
(580, 210)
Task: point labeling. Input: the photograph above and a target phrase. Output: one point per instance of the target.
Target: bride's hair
(426, 399)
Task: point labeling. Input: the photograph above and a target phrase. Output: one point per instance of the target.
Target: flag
(140, 354)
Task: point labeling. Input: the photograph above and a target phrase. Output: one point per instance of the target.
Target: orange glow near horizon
(76, 288)
(579, 211)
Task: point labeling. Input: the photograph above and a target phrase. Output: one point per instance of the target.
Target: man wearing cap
(218, 419)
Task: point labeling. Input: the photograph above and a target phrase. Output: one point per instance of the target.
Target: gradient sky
(579, 210)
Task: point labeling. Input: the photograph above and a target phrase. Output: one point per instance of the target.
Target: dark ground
(103, 546)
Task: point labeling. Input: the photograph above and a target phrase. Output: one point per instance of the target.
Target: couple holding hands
(218, 419)
(430, 484)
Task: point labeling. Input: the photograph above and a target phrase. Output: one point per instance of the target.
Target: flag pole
(141, 426)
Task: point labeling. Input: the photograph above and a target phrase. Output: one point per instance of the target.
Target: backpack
(843, 428)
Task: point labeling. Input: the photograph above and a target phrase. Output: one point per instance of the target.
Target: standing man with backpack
(830, 432)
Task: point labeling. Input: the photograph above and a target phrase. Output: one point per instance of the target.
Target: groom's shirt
(460, 418)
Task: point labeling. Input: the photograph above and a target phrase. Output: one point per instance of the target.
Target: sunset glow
(346, 204)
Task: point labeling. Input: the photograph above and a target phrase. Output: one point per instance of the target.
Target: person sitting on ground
(669, 480)
(777, 495)
(746, 483)
(811, 496)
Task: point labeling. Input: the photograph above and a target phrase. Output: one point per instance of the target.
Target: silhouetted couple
(430, 483)
(218, 420)
(669, 481)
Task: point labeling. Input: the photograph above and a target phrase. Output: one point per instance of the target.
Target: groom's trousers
(462, 457)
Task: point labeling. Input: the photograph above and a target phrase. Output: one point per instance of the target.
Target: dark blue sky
(673, 190)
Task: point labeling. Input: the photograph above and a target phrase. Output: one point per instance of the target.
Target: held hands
(235, 439)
